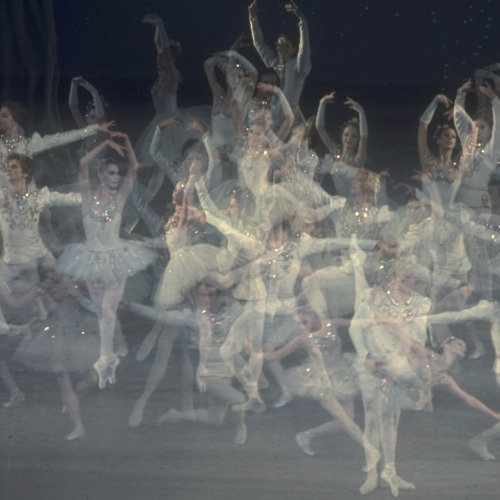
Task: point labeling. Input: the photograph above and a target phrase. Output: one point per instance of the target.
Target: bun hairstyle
(18, 111)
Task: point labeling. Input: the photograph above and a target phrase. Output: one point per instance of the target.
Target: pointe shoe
(304, 441)
(16, 398)
(241, 435)
(478, 446)
(77, 433)
(170, 417)
(105, 367)
(370, 484)
(135, 418)
(285, 398)
(253, 404)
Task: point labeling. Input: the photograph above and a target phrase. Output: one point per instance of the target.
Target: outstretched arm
(467, 398)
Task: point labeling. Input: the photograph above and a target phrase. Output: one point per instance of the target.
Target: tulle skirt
(186, 267)
(303, 380)
(108, 267)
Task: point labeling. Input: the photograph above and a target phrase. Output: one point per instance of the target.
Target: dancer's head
(257, 133)
(108, 174)
(484, 129)
(350, 135)
(365, 182)
(12, 114)
(19, 167)
(445, 137)
(205, 296)
(285, 47)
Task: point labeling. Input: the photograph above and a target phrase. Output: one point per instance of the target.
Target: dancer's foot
(394, 482)
(370, 484)
(105, 367)
(135, 418)
(478, 352)
(304, 441)
(16, 398)
(478, 446)
(170, 417)
(285, 398)
(77, 433)
(263, 382)
(496, 366)
(253, 404)
(241, 435)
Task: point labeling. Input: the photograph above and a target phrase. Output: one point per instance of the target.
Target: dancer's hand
(105, 127)
(151, 19)
(486, 89)
(466, 87)
(329, 97)
(197, 125)
(252, 8)
(169, 122)
(294, 9)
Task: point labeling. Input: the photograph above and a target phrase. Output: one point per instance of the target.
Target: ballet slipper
(370, 483)
(170, 417)
(253, 404)
(77, 433)
(105, 367)
(135, 418)
(16, 398)
(241, 435)
(304, 441)
(394, 482)
(477, 445)
(285, 398)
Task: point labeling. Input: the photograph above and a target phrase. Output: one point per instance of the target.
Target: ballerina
(104, 261)
(440, 165)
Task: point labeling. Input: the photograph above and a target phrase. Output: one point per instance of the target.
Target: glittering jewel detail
(103, 211)
(11, 144)
(357, 220)
(447, 174)
(402, 309)
(21, 211)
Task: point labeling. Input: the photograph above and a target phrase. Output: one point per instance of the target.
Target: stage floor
(194, 461)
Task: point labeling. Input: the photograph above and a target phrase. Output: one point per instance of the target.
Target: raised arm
(268, 56)
(426, 118)
(76, 82)
(133, 166)
(304, 52)
(360, 158)
(330, 144)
